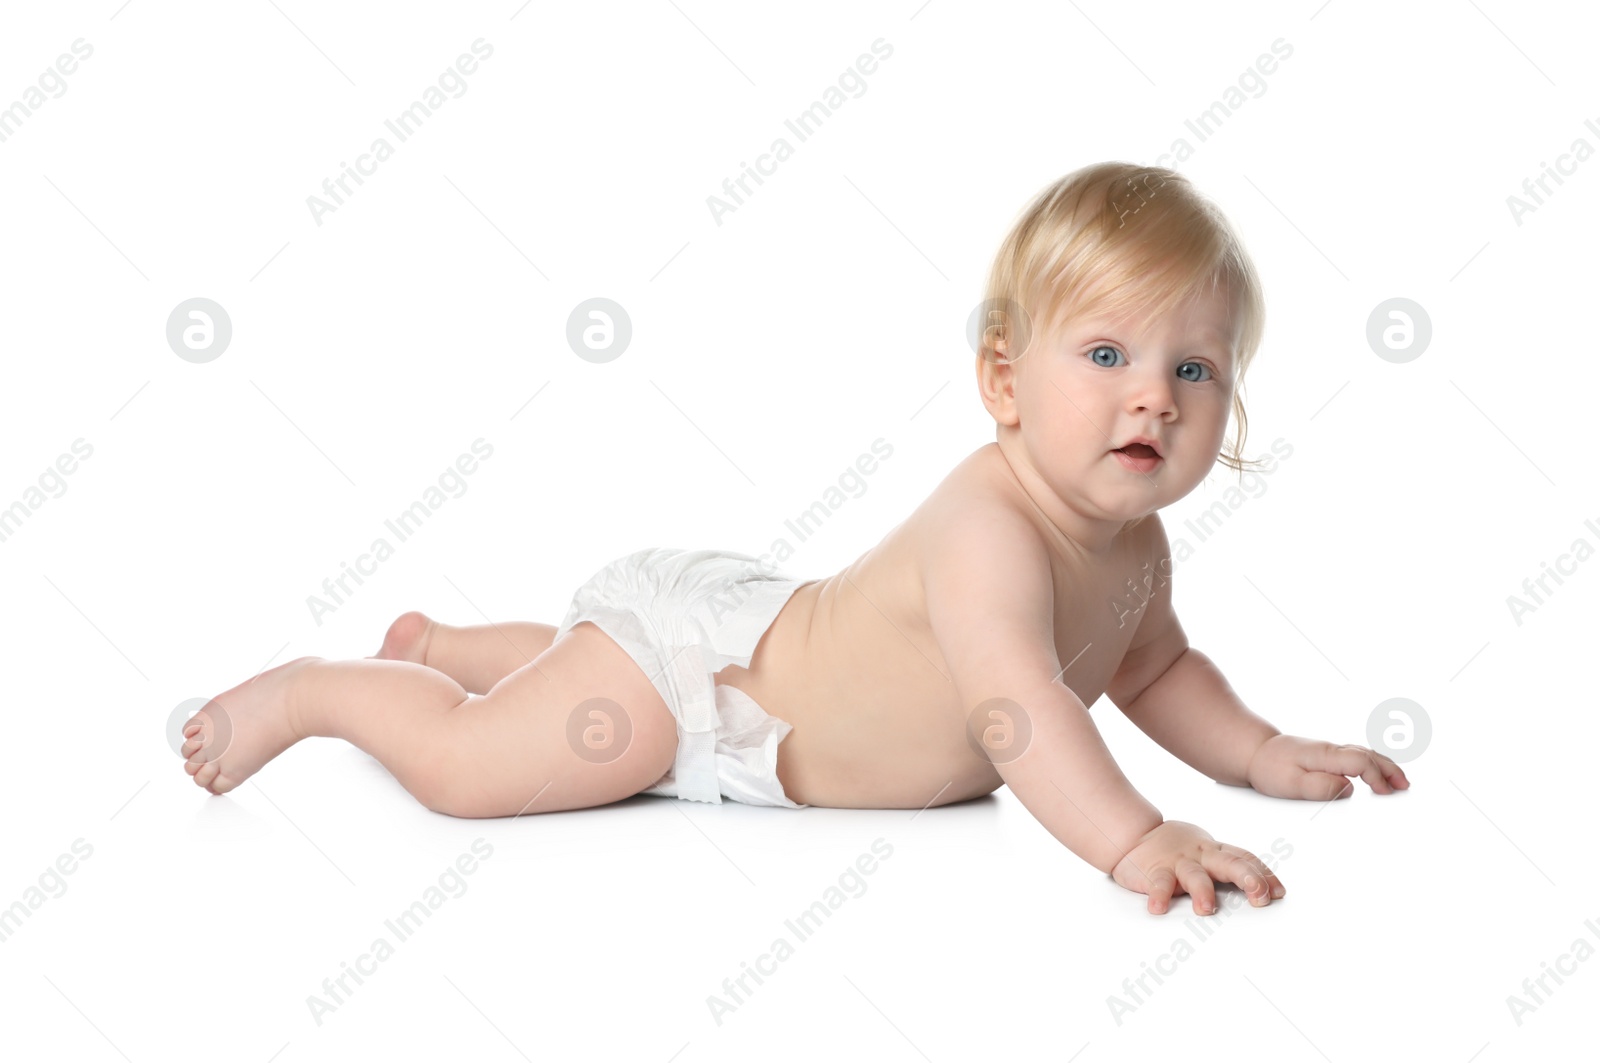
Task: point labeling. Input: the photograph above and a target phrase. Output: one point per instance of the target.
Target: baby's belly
(860, 740)
(876, 722)
(845, 756)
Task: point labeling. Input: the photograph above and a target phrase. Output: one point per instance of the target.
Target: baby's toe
(206, 774)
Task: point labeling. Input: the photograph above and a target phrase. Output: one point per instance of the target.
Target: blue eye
(1205, 370)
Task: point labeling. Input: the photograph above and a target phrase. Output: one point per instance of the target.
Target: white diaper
(684, 615)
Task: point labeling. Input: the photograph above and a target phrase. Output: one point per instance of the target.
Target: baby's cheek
(1215, 417)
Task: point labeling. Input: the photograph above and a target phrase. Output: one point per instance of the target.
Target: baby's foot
(407, 639)
(240, 730)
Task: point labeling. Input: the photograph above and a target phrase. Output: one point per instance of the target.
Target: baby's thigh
(580, 725)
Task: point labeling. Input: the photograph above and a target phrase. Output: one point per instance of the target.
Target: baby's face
(1093, 385)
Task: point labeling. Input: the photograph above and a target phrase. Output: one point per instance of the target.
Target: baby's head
(1133, 259)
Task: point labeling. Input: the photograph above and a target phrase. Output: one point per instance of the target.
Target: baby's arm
(991, 608)
(990, 603)
(1177, 696)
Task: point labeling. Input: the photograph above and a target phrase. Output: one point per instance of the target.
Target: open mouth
(1138, 450)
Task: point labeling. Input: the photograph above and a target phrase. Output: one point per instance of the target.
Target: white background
(768, 353)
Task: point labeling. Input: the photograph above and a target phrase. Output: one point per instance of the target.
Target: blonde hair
(1115, 238)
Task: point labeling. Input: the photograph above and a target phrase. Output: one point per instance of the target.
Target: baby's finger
(1246, 872)
(1161, 885)
(1274, 884)
(1198, 885)
(1359, 760)
(1392, 772)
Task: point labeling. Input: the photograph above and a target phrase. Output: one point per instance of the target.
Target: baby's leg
(477, 657)
(581, 725)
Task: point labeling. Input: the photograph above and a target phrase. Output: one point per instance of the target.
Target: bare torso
(852, 664)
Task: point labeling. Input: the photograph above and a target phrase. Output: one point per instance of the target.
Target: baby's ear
(1004, 332)
(1008, 350)
(997, 387)
(992, 340)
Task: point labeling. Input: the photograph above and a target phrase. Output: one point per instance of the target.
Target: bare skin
(1034, 579)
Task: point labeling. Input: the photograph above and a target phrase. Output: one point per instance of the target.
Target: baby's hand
(1178, 857)
(1286, 766)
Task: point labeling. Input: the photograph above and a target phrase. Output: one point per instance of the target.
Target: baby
(957, 655)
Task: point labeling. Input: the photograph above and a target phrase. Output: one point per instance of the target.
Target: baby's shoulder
(981, 488)
(984, 532)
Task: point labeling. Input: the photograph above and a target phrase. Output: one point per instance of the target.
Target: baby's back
(852, 663)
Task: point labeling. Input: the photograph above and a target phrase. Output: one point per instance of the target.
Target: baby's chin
(1130, 513)
(1151, 498)
(1121, 506)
